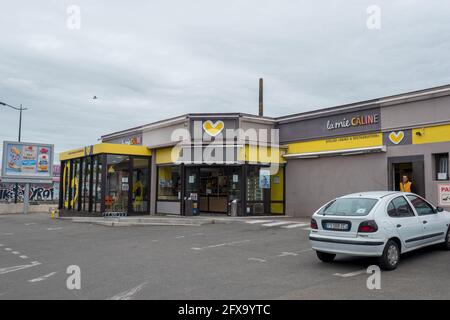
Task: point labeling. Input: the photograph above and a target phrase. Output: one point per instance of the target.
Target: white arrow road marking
(129, 294)
(21, 267)
(257, 221)
(43, 277)
(220, 245)
(350, 274)
(278, 223)
(296, 225)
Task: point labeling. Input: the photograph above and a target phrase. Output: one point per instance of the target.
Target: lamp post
(20, 109)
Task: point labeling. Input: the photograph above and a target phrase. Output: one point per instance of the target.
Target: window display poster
(27, 160)
(264, 179)
(444, 195)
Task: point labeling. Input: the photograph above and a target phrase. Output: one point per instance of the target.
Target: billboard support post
(26, 198)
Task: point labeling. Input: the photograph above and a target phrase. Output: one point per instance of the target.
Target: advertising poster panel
(27, 162)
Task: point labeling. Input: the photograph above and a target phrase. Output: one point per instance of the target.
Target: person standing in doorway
(405, 184)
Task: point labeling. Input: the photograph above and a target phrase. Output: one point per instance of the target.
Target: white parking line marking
(278, 223)
(23, 257)
(7, 234)
(180, 237)
(257, 259)
(284, 254)
(220, 245)
(350, 274)
(257, 221)
(8, 249)
(52, 229)
(296, 225)
(21, 267)
(307, 229)
(129, 294)
(15, 252)
(29, 224)
(43, 277)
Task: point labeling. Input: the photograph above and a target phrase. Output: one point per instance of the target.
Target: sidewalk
(173, 220)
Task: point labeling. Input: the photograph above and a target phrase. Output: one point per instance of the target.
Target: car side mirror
(439, 209)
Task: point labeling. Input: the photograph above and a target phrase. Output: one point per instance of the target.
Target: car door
(404, 220)
(432, 224)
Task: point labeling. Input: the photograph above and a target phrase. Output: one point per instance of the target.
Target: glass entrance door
(213, 190)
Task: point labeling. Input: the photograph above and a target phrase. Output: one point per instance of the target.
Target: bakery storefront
(225, 163)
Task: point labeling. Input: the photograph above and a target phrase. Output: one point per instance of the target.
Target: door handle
(399, 226)
(425, 221)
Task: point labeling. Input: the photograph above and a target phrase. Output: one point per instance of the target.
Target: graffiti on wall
(37, 192)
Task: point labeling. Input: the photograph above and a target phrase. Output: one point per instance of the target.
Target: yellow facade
(432, 134)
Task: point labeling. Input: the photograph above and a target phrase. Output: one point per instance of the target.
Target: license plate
(336, 226)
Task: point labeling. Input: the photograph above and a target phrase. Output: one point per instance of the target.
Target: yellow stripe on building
(337, 143)
(260, 154)
(431, 134)
(167, 155)
(110, 148)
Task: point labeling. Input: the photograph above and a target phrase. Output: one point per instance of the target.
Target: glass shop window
(75, 185)
(140, 191)
(97, 184)
(169, 180)
(117, 184)
(441, 166)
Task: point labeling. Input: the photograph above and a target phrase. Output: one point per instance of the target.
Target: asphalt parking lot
(240, 260)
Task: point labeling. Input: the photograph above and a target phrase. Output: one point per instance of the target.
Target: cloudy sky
(149, 60)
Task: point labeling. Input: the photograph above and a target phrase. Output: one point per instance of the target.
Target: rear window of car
(349, 207)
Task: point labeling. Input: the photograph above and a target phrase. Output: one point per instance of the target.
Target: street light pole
(20, 109)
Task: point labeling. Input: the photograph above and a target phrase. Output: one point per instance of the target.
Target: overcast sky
(149, 60)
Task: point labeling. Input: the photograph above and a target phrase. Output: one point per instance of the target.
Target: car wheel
(391, 256)
(446, 244)
(325, 257)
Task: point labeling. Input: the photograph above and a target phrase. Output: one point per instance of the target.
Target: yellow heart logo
(396, 137)
(213, 129)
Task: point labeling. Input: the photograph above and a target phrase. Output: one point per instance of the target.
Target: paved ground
(239, 260)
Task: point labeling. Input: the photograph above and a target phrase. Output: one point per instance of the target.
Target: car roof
(374, 194)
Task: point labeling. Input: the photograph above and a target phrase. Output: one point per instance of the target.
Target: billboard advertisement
(27, 162)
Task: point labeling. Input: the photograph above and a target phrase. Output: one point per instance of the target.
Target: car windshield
(349, 207)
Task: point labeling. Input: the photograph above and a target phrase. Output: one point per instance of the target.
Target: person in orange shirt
(405, 185)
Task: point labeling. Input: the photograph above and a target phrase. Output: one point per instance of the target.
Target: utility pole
(261, 102)
(20, 109)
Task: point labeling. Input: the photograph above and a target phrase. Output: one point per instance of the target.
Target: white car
(380, 224)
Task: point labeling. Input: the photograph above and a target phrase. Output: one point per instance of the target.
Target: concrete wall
(312, 182)
(18, 208)
(161, 136)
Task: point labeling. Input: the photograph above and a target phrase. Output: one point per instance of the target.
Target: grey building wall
(310, 183)
(416, 113)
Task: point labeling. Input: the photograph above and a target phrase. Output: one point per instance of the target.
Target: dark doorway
(410, 166)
